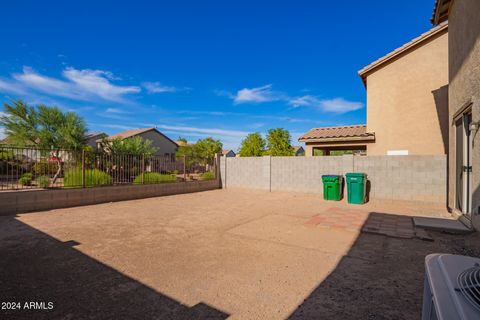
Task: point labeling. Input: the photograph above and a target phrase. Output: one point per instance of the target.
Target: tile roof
(441, 10)
(397, 52)
(134, 132)
(355, 131)
(90, 135)
(130, 133)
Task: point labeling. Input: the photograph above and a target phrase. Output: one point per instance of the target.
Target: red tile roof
(355, 131)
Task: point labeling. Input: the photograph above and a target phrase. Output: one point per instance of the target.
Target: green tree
(278, 143)
(134, 145)
(44, 127)
(207, 148)
(252, 146)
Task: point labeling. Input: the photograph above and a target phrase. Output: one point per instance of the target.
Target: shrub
(45, 167)
(43, 182)
(25, 179)
(154, 177)
(93, 178)
(207, 176)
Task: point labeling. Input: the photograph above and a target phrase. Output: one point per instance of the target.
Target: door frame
(465, 115)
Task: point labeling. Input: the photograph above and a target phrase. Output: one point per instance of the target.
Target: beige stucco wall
(464, 87)
(407, 101)
(160, 142)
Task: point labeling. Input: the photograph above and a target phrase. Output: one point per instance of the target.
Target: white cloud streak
(257, 95)
(221, 132)
(337, 105)
(157, 87)
(267, 94)
(86, 85)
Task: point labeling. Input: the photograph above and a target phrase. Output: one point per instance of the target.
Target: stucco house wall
(407, 100)
(464, 87)
(164, 145)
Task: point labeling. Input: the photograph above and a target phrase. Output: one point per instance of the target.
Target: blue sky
(201, 68)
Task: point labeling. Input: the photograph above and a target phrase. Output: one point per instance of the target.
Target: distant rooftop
(338, 133)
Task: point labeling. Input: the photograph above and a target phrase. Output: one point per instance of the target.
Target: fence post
(83, 168)
(184, 168)
(143, 168)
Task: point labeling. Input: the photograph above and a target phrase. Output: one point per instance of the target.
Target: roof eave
(395, 54)
(441, 11)
(369, 138)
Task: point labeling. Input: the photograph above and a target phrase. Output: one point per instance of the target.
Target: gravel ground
(212, 255)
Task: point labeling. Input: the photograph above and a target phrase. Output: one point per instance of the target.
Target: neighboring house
(92, 138)
(299, 151)
(463, 105)
(164, 144)
(228, 153)
(406, 104)
(321, 141)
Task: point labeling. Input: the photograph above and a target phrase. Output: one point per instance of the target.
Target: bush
(43, 182)
(154, 177)
(26, 179)
(45, 167)
(207, 176)
(93, 178)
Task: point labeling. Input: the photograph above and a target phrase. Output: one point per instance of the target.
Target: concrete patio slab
(211, 255)
(446, 225)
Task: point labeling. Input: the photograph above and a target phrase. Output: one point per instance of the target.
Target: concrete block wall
(37, 200)
(412, 178)
(251, 172)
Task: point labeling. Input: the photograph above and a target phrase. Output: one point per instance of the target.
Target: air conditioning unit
(452, 288)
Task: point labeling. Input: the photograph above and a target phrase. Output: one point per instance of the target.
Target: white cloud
(257, 95)
(337, 105)
(116, 111)
(340, 105)
(87, 85)
(266, 94)
(221, 132)
(157, 87)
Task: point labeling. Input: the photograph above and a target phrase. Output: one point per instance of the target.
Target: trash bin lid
(356, 174)
(331, 177)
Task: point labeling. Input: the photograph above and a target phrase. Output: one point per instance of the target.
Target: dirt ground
(213, 255)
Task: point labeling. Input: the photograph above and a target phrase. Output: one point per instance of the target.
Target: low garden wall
(410, 178)
(13, 202)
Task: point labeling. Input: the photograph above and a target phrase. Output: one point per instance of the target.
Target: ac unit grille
(469, 285)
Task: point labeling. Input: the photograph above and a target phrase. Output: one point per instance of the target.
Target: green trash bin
(332, 187)
(356, 187)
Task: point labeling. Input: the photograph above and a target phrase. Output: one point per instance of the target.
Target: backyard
(224, 253)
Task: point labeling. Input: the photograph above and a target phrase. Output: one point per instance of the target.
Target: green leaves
(135, 145)
(252, 146)
(44, 127)
(278, 143)
(200, 151)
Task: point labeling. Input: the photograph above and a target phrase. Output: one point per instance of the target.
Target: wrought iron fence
(33, 168)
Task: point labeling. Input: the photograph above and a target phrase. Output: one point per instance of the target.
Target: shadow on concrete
(380, 277)
(35, 267)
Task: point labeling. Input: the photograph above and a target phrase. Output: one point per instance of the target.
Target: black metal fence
(33, 168)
